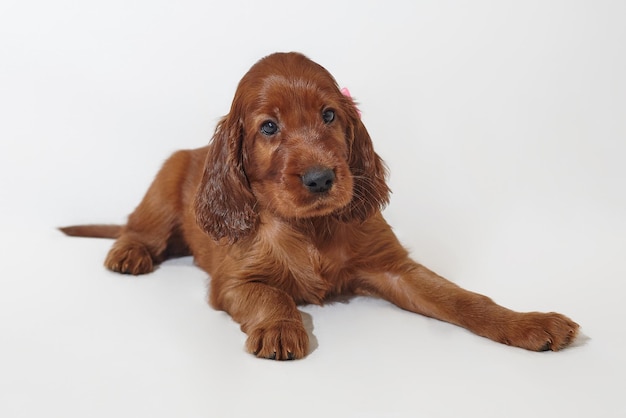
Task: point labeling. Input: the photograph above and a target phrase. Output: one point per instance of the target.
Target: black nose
(318, 179)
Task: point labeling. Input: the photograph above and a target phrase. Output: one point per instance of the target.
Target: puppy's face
(294, 142)
(292, 146)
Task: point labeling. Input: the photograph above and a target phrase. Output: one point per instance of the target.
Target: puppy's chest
(308, 272)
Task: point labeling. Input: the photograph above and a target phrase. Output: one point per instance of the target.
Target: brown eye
(269, 128)
(328, 115)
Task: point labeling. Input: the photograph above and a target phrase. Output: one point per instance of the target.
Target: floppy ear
(224, 205)
(370, 190)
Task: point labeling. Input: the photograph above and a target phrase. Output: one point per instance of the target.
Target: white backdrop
(504, 128)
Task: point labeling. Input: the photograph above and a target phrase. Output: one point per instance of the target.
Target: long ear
(224, 204)
(370, 191)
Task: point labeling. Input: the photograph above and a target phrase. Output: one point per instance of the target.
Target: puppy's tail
(93, 231)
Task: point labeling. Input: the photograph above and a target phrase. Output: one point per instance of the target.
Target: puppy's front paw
(129, 258)
(281, 340)
(543, 331)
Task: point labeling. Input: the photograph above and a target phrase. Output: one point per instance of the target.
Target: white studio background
(504, 128)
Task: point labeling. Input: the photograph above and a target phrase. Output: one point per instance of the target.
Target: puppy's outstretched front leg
(268, 316)
(413, 287)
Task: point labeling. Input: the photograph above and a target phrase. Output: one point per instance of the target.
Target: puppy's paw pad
(282, 340)
(129, 258)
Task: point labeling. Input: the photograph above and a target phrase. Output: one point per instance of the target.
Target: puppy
(283, 208)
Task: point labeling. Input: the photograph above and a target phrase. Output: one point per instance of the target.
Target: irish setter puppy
(283, 208)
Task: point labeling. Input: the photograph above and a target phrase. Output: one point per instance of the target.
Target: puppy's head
(292, 145)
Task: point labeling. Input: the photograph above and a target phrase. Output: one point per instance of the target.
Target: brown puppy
(283, 208)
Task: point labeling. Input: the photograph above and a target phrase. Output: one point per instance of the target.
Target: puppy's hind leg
(153, 231)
